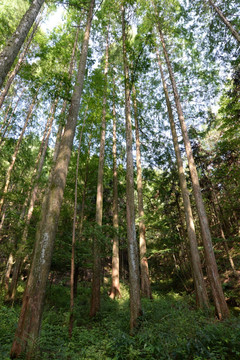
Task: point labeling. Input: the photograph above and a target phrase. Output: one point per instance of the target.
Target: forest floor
(170, 328)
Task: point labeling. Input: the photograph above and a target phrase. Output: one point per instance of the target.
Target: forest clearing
(119, 171)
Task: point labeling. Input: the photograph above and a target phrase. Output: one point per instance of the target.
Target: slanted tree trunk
(95, 298)
(200, 288)
(224, 20)
(19, 64)
(14, 156)
(9, 53)
(145, 282)
(33, 197)
(72, 276)
(115, 289)
(7, 123)
(33, 300)
(133, 259)
(212, 270)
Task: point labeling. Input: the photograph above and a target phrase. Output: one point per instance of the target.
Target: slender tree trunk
(19, 64)
(9, 53)
(6, 124)
(225, 244)
(200, 288)
(72, 276)
(212, 270)
(145, 282)
(115, 289)
(31, 312)
(95, 299)
(3, 123)
(14, 156)
(32, 195)
(224, 20)
(133, 259)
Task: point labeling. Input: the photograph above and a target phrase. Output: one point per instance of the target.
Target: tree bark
(95, 298)
(200, 288)
(72, 276)
(32, 195)
(115, 289)
(18, 65)
(224, 20)
(9, 53)
(212, 270)
(32, 307)
(145, 282)
(133, 259)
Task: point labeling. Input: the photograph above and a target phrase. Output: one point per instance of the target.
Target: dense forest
(119, 170)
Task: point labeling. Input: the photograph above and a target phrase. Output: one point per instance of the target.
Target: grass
(170, 328)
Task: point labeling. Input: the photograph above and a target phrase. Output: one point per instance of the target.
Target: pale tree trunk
(32, 196)
(224, 20)
(200, 288)
(9, 53)
(6, 124)
(133, 259)
(19, 64)
(212, 270)
(145, 282)
(72, 276)
(95, 298)
(14, 156)
(33, 300)
(115, 289)
(8, 271)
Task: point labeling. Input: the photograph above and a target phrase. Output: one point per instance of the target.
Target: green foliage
(169, 328)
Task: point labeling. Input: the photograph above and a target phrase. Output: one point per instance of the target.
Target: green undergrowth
(170, 328)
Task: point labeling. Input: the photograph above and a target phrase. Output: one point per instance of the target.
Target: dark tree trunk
(9, 53)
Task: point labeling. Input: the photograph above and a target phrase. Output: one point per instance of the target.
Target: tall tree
(201, 292)
(14, 156)
(225, 20)
(145, 282)
(115, 289)
(32, 307)
(9, 53)
(133, 259)
(212, 270)
(95, 299)
(19, 63)
(72, 276)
